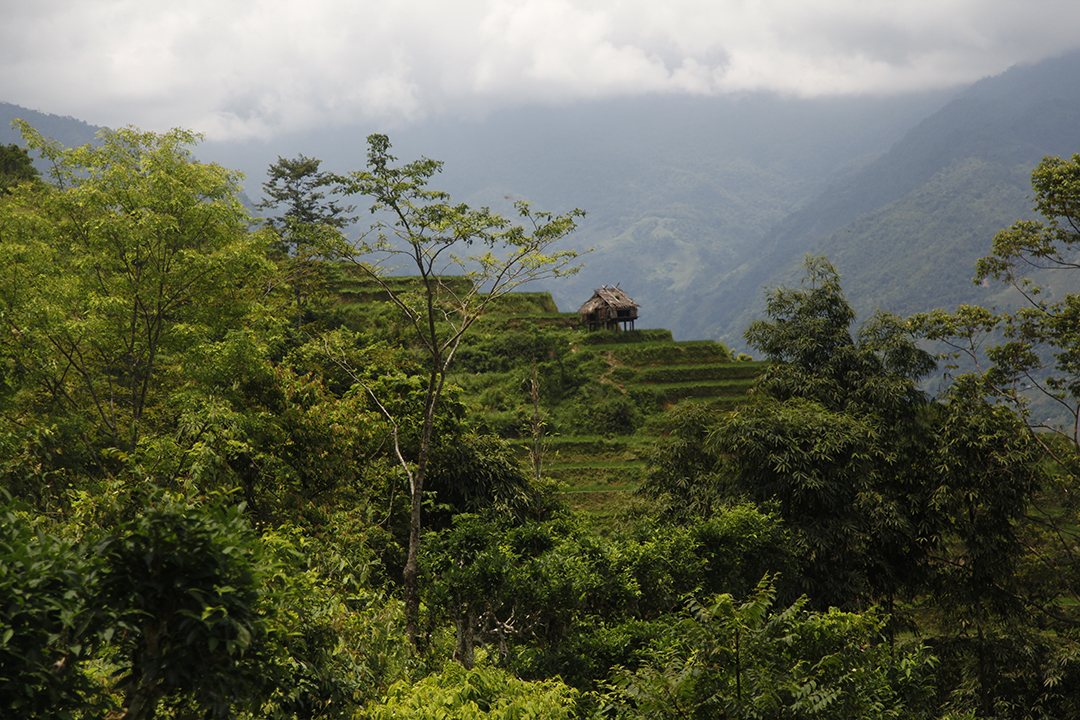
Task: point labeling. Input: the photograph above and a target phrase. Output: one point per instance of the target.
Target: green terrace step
(535, 306)
(684, 373)
(663, 353)
(495, 322)
(594, 477)
(599, 505)
(527, 303)
(682, 391)
(598, 472)
(622, 337)
(353, 286)
(582, 449)
(347, 275)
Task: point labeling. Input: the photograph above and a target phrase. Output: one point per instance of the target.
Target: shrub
(617, 415)
(482, 693)
(46, 621)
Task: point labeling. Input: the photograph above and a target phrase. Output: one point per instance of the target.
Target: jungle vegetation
(248, 473)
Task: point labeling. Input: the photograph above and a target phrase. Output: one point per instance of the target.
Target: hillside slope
(583, 408)
(906, 230)
(696, 204)
(66, 130)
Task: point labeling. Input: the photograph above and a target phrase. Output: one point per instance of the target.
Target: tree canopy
(297, 189)
(856, 457)
(210, 510)
(433, 237)
(121, 277)
(16, 166)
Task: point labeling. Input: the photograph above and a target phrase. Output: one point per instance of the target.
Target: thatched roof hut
(608, 307)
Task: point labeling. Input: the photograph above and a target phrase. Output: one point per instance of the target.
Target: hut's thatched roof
(611, 297)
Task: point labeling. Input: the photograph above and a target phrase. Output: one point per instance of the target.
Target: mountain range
(696, 205)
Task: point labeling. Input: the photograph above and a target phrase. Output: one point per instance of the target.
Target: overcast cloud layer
(256, 68)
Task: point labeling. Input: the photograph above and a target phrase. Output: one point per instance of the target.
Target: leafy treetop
(298, 187)
(421, 229)
(15, 167)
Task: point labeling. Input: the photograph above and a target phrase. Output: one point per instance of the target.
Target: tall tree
(834, 439)
(308, 224)
(299, 189)
(132, 257)
(15, 166)
(1028, 359)
(859, 461)
(421, 229)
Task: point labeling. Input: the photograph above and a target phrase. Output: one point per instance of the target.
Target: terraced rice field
(599, 476)
(599, 471)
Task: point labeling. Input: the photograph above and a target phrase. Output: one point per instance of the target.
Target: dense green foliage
(183, 586)
(935, 509)
(47, 619)
(16, 167)
(1026, 360)
(750, 660)
(126, 277)
(296, 190)
(474, 694)
(175, 594)
(212, 494)
(856, 458)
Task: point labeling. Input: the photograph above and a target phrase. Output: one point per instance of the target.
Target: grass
(670, 353)
(684, 373)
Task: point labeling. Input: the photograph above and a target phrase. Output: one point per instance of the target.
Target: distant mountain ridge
(697, 204)
(66, 130)
(906, 230)
(678, 190)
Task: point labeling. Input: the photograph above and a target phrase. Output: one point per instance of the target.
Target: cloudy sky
(258, 68)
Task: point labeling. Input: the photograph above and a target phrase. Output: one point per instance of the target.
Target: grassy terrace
(600, 469)
(603, 394)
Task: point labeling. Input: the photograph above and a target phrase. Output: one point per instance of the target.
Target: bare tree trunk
(537, 424)
(411, 574)
(466, 639)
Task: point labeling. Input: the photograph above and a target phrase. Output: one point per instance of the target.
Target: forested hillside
(247, 472)
(906, 230)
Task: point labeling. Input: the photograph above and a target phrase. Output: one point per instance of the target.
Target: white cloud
(259, 67)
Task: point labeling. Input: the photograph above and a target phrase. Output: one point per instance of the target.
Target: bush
(46, 621)
(647, 400)
(183, 584)
(616, 416)
(591, 649)
(174, 597)
(752, 659)
(482, 693)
